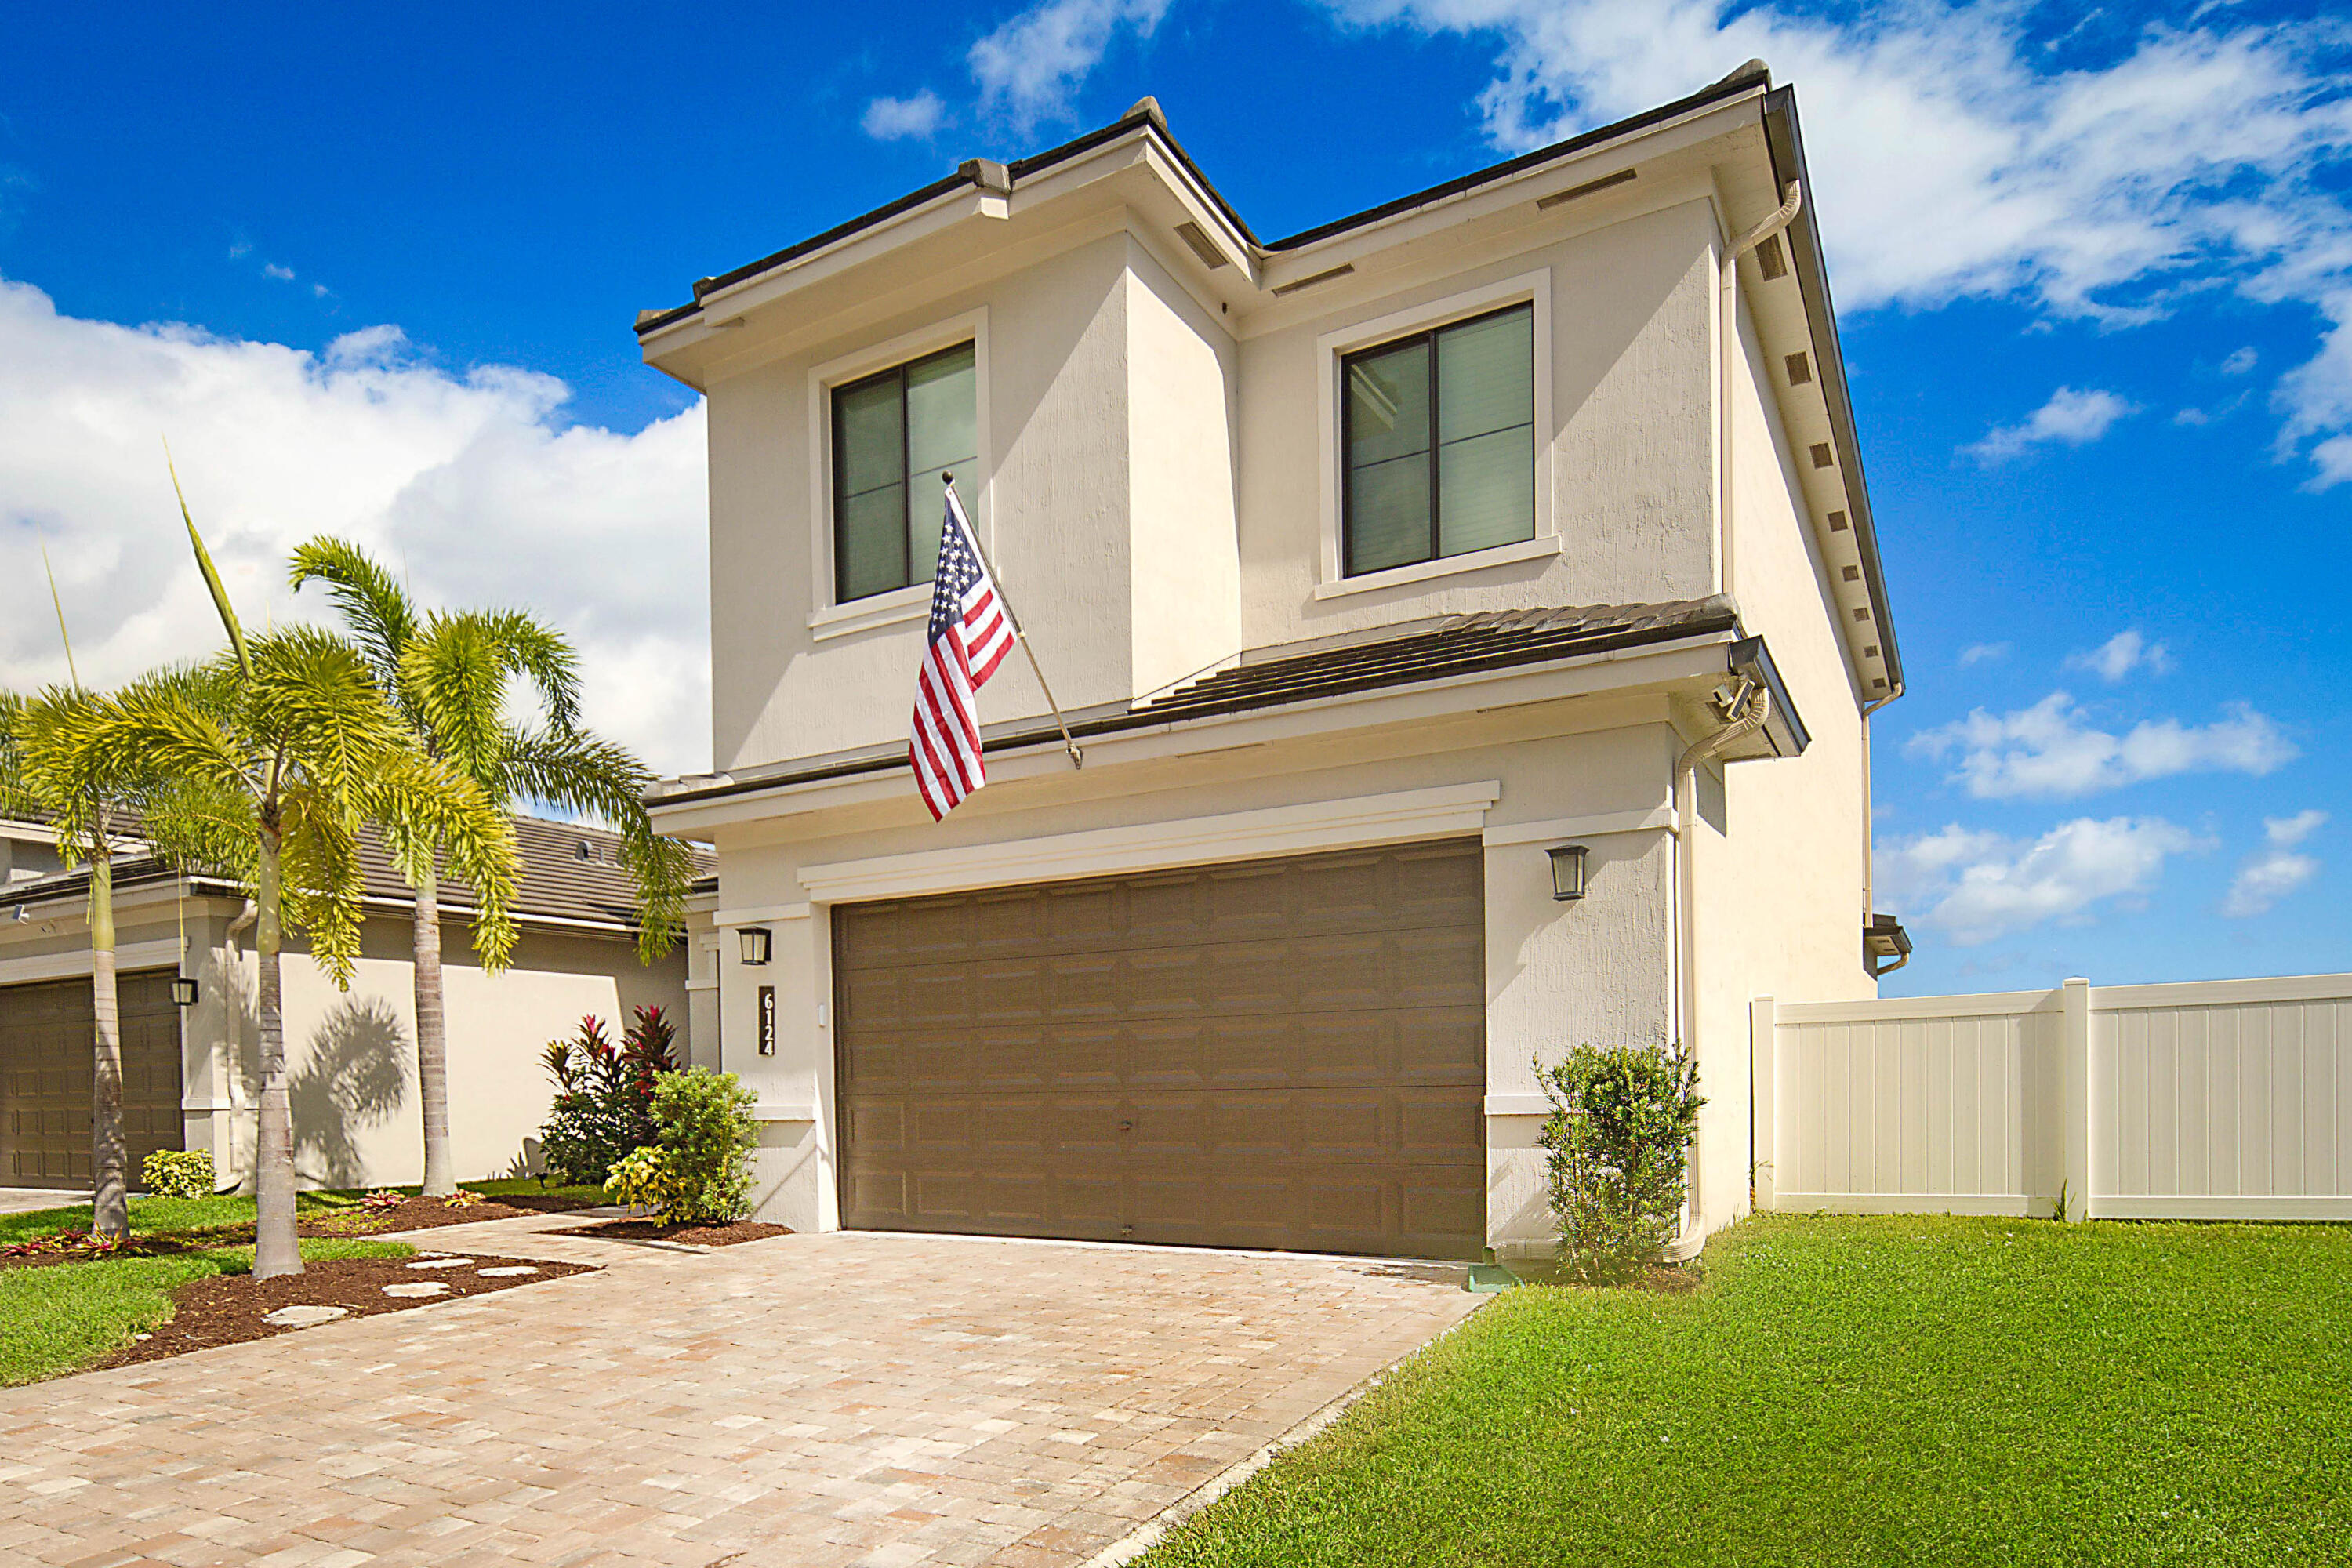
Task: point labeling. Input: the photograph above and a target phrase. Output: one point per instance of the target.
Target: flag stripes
(968, 637)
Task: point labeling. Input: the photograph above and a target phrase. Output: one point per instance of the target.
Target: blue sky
(2096, 272)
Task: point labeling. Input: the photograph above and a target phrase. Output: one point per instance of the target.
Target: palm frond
(373, 604)
(579, 771)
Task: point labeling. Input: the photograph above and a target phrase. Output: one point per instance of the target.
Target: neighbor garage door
(1276, 1054)
(46, 1036)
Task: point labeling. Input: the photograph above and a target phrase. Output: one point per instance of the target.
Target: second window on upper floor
(893, 435)
(1438, 443)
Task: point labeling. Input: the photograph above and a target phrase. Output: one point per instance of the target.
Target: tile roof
(570, 872)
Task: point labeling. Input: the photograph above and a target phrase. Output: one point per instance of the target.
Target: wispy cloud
(2051, 749)
(1028, 68)
(2277, 869)
(2071, 418)
(1959, 152)
(904, 118)
(2120, 655)
(471, 480)
(2239, 361)
(1983, 653)
(1976, 886)
(283, 274)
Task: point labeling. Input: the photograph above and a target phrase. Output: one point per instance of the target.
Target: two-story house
(1469, 613)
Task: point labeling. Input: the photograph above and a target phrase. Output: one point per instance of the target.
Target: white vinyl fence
(2216, 1099)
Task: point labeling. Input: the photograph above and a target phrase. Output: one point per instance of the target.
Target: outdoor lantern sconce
(184, 990)
(755, 944)
(1567, 872)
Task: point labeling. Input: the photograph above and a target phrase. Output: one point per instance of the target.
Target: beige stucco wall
(1154, 495)
(351, 1054)
(1556, 973)
(1778, 903)
(1633, 490)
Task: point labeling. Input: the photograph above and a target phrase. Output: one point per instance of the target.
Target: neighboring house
(189, 1074)
(1373, 566)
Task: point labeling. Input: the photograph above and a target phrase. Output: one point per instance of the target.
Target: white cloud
(283, 274)
(1983, 653)
(1029, 66)
(2120, 655)
(2050, 749)
(1955, 155)
(904, 118)
(2071, 418)
(469, 482)
(1976, 886)
(2241, 362)
(2274, 871)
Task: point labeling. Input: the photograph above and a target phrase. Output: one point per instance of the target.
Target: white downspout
(1729, 305)
(1747, 713)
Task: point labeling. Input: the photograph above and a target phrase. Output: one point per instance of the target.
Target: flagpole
(1077, 757)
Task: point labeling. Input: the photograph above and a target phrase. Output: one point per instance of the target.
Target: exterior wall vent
(1870, 652)
(1336, 273)
(1770, 261)
(1191, 234)
(1837, 523)
(1862, 615)
(1853, 574)
(1590, 187)
(1878, 683)
(1800, 370)
(586, 852)
(1822, 457)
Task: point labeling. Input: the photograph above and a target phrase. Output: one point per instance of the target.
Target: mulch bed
(425, 1214)
(227, 1309)
(691, 1235)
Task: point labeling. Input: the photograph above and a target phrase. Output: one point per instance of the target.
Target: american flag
(968, 636)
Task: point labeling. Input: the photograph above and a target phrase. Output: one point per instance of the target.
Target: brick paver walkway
(846, 1398)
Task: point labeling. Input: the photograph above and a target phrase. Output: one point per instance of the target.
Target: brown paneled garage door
(1276, 1054)
(45, 1033)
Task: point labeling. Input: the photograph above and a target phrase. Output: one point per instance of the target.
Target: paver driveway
(822, 1399)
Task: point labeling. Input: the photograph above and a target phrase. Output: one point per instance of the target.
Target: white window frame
(830, 617)
(1331, 348)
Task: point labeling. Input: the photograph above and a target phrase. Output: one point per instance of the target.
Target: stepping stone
(419, 1287)
(302, 1317)
(508, 1272)
(441, 1263)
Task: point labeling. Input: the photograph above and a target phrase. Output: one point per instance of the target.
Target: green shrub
(1619, 1141)
(706, 1138)
(642, 1180)
(178, 1173)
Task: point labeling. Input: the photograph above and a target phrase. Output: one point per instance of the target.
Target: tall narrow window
(1439, 432)
(893, 435)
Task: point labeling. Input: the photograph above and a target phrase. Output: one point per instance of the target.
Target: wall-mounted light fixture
(184, 990)
(1567, 872)
(754, 940)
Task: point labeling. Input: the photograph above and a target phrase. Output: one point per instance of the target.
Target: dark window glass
(893, 435)
(1438, 432)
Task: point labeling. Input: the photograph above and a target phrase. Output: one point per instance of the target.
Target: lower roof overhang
(1027, 751)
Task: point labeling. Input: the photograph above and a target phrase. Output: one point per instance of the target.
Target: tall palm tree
(449, 676)
(49, 771)
(284, 746)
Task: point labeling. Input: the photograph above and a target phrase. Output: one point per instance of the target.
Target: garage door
(1277, 1054)
(45, 1033)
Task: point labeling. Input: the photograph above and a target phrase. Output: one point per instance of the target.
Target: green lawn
(1907, 1390)
(55, 1319)
(162, 1216)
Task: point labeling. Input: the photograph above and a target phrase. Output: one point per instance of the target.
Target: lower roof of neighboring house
(1437, 648)
(571, 877)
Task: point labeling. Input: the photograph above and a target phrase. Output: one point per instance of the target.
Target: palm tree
(282, 748)
(448, 675)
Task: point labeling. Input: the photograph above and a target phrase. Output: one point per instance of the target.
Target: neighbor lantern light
(755, 944)
(184, 990)
(1567, 872)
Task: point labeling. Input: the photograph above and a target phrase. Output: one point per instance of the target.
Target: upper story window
(893, 435)
(1438, 442)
